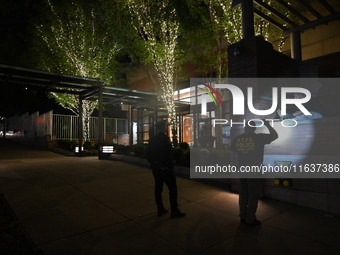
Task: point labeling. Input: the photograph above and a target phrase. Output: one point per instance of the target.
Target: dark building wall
(311, 140)
(325, 66)
(329, 94)
(257, 58)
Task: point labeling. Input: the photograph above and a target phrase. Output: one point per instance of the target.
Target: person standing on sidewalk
(161, 162)
(248, 150)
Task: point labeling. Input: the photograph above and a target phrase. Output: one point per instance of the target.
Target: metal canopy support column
(247, 18)
(180, 127)
(100, 119)
(195, 120)
(130, 124)
(138, 125)
(80, 126)
(295, 41)
(155, 118)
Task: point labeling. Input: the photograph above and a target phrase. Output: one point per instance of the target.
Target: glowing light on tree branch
(80, 47)
(228, 20)
(160, 32)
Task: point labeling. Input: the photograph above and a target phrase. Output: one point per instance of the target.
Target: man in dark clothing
(160, 158)
(248, 150)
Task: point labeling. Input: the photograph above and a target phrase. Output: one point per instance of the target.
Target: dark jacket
(249, 148)
(158, 151)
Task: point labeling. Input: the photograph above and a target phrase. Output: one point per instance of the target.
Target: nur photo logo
(239, 101)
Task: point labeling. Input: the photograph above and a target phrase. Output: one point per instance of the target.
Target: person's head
(161, 126)
(250, 127)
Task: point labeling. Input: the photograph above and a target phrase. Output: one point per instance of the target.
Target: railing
(66, 127)
(61, 126)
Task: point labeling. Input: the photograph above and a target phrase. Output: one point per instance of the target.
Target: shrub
(221, 157)
(96, 146)
(128, 149)
(139, 150)
(210, 157)
(185, 159)
(177, 153)
(184, 146)
(122, 149)
(67, 144)
(87, 145)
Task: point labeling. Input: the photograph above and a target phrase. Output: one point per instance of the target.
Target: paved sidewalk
(72, 205)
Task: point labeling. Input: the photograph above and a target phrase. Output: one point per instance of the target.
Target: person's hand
(288, 116)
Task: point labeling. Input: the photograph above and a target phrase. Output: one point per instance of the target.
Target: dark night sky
(17, 99)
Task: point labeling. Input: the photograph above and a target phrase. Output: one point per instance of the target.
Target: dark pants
(250, 191)
(168, 177)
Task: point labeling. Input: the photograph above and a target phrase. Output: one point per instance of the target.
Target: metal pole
(130, 124)
(138, 125)
(104, 129)
(100, 119)
(180, 127)
(247, 18)
(80, 125)
(71, 127)
(155, 118)
(295, 41)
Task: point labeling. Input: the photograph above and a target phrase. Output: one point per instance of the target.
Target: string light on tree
(78, 46)
(160, 32)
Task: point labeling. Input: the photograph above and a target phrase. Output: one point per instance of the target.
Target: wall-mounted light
(237, 50)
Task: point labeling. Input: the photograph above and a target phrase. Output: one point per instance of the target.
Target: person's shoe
(177, 214)
(243, 220)
(254, 223)
(162, 212)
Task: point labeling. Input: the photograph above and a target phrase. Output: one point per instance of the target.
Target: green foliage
(139, 150)
(120, 149)
(216, 25)
(124, 149)
(210, 157)
(206, 42)
(76, 41)
(88, 146)
(215, 156)
(72, 38)
(181, 156)
(157, 24)
(67, 144)
(177, 153)
(186, 158)
(184, 146)
(96, 146)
